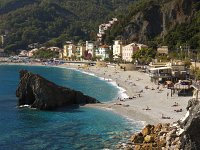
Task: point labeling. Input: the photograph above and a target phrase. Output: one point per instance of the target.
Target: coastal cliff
(155, 22)
(183, 134)
(147, 23)
(42, 94)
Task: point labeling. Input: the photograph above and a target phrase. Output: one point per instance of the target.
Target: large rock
(40, 93)
(149, 139)
(147, 130)
(191, 126)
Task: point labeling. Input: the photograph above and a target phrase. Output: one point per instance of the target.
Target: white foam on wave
(122, 92)
(23, 106)
(143, 123)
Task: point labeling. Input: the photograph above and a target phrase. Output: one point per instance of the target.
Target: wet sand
(150, 101)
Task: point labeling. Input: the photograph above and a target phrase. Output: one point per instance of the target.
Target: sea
(70, 128)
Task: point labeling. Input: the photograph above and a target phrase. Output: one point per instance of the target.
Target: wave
(121, 93)
(24, 106)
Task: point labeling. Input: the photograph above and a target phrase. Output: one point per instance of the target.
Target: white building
(90, 47)
(31, 52)
(102, 52)
(163, 50)
(55, 49)
(23, 53)
(117, 49)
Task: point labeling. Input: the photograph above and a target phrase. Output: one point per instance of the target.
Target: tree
(45, 54)
(144, 56)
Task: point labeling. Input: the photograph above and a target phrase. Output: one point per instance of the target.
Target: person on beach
(147, 108)
(175, 104)
(167, 95)
(164, 117)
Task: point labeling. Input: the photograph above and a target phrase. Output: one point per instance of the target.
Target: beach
(140, 99)
(147, 102)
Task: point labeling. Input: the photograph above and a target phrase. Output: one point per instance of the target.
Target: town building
(102, 52)
(64, 53)
(90, 47)
(31, 52)
(23, 53)
(173, 71)
(128, 50)
(80, 50)
(71, 50)
(117, 49)
(163, 50)
(55, 49)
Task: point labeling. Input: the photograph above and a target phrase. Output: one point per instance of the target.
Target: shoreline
(132, 84)
(136, 108)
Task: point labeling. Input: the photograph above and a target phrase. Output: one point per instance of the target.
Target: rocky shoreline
(160, 136)
(183, 134)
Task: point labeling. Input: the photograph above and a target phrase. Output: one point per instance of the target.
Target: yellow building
(80, 50)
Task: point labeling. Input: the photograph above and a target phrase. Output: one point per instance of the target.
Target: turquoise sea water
(68, 128)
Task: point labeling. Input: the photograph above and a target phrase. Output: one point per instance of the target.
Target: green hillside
(53, 22)
(144, 23)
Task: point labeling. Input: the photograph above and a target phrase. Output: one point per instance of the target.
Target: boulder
(42, 94)
(137, 138)
(190, 138)
(147, 130)
(162, 143)
(147, 146)
(137, 147)
(158, 127)
(149, 139)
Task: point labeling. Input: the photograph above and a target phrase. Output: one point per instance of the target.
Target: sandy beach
(148, 101)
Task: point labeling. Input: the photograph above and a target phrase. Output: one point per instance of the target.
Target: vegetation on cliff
(152, 22)
(166, 22)
(31, 21)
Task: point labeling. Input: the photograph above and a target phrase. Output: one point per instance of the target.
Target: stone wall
(127, 67)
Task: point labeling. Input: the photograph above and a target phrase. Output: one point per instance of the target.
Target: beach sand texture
(150, 102)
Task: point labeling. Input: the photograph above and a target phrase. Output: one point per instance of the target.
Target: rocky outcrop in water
(42, 94)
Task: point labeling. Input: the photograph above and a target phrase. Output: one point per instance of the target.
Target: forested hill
(152, 22)
(160, 22)
(29, 21)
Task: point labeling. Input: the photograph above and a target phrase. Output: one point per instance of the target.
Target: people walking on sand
(164, 117)
(175, 104)
(129, 76)
(147, 108)
(167, 95)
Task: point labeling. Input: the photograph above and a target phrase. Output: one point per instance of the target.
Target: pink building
(128, 50)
